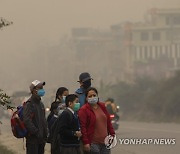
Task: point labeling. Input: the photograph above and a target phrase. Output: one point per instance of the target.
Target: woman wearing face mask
(95, 124)
(61, 94)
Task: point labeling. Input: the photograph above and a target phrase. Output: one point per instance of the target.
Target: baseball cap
(36, 83)
(84, 77)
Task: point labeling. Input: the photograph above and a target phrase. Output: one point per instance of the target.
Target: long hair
(59, 92)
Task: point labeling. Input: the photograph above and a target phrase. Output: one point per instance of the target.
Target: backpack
(17, 125)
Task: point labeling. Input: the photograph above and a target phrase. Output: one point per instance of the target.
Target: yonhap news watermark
(112, 141)
(147, 141)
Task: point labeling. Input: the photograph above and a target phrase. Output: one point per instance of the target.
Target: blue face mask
(41, 92)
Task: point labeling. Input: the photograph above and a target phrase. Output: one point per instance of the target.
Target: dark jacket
(68, 124)
(51, 119)
(35, 121)
(88, 119)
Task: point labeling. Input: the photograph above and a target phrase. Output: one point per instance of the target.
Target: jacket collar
(35, 98)
(70, 110)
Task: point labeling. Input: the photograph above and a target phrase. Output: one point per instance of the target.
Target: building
(99, 51)
(130, 50)
(157, 40)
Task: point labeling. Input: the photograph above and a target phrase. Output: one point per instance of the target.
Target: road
(139, 130)
(126, 130)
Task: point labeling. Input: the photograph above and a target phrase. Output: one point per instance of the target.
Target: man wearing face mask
(34, 119)
(85, 83)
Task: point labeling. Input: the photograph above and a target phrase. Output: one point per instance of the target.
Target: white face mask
(93, 100)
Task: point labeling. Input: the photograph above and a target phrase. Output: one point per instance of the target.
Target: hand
(87, 147)
(78, 134)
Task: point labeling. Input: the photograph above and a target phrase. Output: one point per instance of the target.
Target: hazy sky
(40, 23)
(45, 21)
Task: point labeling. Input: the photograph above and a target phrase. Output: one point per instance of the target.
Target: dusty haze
(38, 46)
(40, 26)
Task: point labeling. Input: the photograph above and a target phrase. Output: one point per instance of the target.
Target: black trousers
(35, 148)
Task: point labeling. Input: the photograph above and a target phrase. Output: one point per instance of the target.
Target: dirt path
(17, 145)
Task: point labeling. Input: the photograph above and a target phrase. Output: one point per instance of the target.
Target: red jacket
(88, 119)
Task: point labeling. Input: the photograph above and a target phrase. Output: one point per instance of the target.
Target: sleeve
(64, 123)
(109, 124)
(45, 122)
(83, 123)
(27, 118)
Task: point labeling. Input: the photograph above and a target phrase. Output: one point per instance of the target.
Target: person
(52, 117)
(57, 107)
(34, 119)
(58, 104)
(61, 94)
(85, 83)
(111, 107)
(95, 124)
(69, 127)
(53, 114)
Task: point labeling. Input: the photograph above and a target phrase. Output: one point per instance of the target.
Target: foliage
(5, 100)
(4, 22)
(148, 99)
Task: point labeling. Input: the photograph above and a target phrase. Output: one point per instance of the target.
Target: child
(69, 128)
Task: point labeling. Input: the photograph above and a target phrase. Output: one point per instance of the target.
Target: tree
(5, 102)
(4, 22)
(4, 98)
